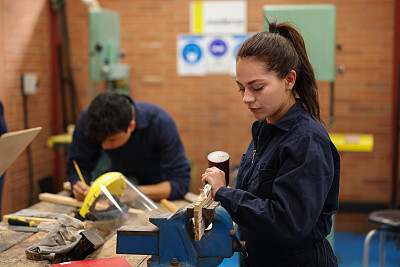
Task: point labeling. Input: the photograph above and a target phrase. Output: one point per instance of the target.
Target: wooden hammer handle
(169, 205)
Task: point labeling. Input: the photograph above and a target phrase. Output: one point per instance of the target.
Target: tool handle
(220, 159)
(169, 205)
(21, 222)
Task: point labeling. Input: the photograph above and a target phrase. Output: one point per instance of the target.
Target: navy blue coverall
(286, 192)
(153, 154)
(3, 129)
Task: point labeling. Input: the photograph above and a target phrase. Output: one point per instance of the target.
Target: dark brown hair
(108, 114)
(282, 49)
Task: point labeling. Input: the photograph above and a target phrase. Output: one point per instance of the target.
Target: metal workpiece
(171, 240)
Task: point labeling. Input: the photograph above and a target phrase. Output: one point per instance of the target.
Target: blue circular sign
(218, 48)
(191, 53)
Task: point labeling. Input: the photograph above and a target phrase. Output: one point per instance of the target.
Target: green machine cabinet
(317, 25)
(104, 45)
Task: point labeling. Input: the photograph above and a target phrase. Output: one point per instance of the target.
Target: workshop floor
(349, 250)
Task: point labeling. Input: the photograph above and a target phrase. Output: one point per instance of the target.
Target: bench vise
(171, 240)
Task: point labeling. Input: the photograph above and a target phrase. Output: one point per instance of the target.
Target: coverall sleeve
(84, 151)
(174, 162)
(298, 186)
(3, 125)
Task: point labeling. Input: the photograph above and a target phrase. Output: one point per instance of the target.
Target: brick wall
(25, 47)
(208, 110)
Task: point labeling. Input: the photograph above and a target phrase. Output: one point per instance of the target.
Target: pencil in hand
(79, 172)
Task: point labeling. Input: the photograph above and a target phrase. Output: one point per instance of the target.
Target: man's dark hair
(108, 114)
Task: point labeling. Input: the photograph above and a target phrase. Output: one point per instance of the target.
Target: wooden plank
(70, 201)
(199, 223)
(9, 238)
(15, 255)
(44, 206)
(64, 200)
(12, 144)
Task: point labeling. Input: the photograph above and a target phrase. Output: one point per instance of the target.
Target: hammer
(220, 159)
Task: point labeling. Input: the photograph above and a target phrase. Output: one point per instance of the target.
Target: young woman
(288, 182)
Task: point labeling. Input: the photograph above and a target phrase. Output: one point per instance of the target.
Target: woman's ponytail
(282, 48)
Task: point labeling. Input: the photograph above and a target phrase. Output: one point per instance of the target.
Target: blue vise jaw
(171, 241)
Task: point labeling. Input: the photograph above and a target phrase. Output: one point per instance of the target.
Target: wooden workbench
(13, 244)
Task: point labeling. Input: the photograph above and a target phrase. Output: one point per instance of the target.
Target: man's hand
(156, 191)
(80, 190)
(215, 177)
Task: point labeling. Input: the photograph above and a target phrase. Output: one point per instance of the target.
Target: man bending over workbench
(141, 140)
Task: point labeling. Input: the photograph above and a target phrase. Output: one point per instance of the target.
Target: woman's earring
(289, 88)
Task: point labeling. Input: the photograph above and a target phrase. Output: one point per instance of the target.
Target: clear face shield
(112, 196)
